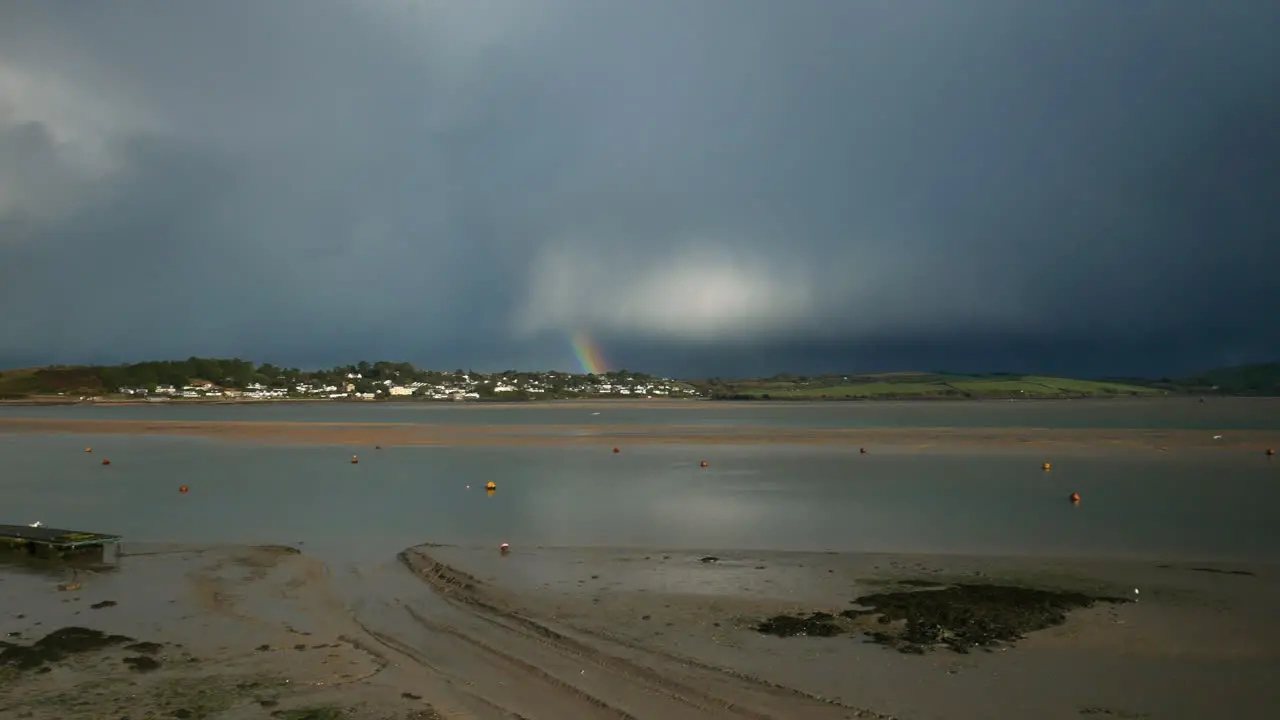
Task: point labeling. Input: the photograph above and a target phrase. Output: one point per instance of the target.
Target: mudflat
(1013, 638)
(258, 632)
(917, 439)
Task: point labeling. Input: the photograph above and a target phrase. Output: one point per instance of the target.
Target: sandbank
(554, 633)
(409, 434)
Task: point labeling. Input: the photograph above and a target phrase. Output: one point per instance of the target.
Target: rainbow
(588, 352)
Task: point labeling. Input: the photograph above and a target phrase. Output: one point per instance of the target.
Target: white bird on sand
(1217, 437)
(36, 524)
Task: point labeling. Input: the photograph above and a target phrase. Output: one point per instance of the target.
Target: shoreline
(649, 401)
(441, 434)
(455, 631)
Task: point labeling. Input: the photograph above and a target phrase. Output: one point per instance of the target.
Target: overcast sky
(705, 186)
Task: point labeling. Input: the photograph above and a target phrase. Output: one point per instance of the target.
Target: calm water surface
(1206, 506)
(1215, 414)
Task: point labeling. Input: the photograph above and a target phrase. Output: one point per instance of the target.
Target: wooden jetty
(52, 542)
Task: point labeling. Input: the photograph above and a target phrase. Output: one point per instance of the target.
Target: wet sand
(409, 434)
(541, 633)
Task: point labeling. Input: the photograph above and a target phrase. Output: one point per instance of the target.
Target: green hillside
(1260, 380)
(919, 386)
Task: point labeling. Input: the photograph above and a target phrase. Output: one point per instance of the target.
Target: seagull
(35, 524)
(1217, 437)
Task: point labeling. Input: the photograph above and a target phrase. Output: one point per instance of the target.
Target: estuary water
(1205, 506)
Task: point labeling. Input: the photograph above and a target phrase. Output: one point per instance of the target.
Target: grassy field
(923, 386)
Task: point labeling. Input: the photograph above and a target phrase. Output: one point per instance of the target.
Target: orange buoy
(616, 450)
(354, 459)
(491, 485)
(1046, 466)
(862, 451)
(504, 548)
(88, 449)
(106, 461)
(183, 489)
(1075, 497)
(704, 463)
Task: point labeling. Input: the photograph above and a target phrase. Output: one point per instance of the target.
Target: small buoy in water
(491, 485)
(504, 548)
(704, 463)
(1135, 594)
(88, 449)
(862, 451)
(183, 489)
(106, 461)
(377, 447)
(354, 459)
(616, 450)
(1271, 451)
(1075, 497)
(1046, 466)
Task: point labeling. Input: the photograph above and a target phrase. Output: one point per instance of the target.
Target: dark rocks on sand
(145, 648)
(818, 624)
(961, 617)
(57, 645)
(965, 616)
(142, 663)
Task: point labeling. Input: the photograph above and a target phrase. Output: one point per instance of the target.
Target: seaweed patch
(818, 624)
(57, 645)
(966, 616)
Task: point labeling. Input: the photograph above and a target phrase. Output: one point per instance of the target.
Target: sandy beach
(917, 439)
(445, 632)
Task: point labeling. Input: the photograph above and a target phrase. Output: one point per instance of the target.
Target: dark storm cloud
(705, 186)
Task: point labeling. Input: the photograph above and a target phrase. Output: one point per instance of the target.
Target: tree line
(239, 374)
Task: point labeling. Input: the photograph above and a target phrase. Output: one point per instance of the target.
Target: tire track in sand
(662, 686)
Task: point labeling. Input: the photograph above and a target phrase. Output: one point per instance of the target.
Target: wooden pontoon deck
(53, 538)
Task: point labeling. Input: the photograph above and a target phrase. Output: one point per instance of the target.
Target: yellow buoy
(1046, 466)
(354, 459)
(491, 485)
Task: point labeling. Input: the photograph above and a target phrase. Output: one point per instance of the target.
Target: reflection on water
(1210, 506)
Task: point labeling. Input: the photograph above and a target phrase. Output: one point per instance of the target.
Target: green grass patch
(928, 385)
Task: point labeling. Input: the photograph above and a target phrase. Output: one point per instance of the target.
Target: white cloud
(702, 291)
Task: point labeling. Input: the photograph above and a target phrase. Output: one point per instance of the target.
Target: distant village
(457, 388)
